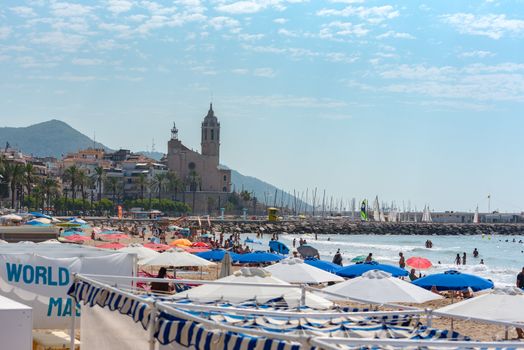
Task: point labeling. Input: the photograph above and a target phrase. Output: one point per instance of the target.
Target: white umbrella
(176, 258)
(501, 304)
(141, 252)
(294, 270)
(262, 294)
(381, 287)
(51, 241)
(42, 220)
(11, 217)
(3, 242)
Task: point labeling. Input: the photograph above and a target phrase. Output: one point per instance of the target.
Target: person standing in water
(475, 253)
(464, 258)
(457, 259)
(401, 261)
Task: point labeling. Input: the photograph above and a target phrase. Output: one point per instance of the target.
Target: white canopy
(262, 294)
(51, 241)
(141, 252)
(176, 258)
(501, 304)
(294, 270)
(10, 217)
(381, 287)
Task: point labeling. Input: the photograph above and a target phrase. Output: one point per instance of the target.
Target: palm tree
(71, 176)
(160, 178)
(142, 182)
(83, 182)
(112, 183)
(173, 183)
(49, 186)
(29, 177)
(14, 175)
(99, 178)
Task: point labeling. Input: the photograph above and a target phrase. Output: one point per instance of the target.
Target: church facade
(200, 172)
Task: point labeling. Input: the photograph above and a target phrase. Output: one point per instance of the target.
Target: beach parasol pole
(72, 330)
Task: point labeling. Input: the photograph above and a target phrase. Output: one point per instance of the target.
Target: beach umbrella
(11, 217)
(182, 242)
(112, 245)
(419, 263)
(176, 258)
(307, 251)
(294, 270)
(194, 250)
(112, 237)
(108, 232)
(68, 224)
(225, 268)
(215, 255)
(157, 246)
(323, 265)
(141, 252)
(207, 235)
(39, 222)
(40, 215)
(359, 259)
(3, 242)
(380, 287)
(501, 304)
(454, 280)
(356, 270)
(78, 238)
(256, 257)
(200, 245)
(51, 241)
(77, 221)
(261, 294)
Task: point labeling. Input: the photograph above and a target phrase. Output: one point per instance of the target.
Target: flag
(363, 210)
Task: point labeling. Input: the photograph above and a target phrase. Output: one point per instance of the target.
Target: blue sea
(502, 260)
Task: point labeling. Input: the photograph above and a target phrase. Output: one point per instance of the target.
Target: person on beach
(369, 258)
(475, 253)
(464, 258)
(413, 275)
(457, 259)
(401, 261)
(161, 287)
(294, 242)
(520, 279)
(481, 261)
(337, 259)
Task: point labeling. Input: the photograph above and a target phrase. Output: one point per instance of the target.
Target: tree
(71, 176)
(173, 183)
(83, 181)
(160, 179)
(14, 175)
(29, 171)
(245, 195)
(112, 183)
(99, 178)
(142, 182)
(49, 186)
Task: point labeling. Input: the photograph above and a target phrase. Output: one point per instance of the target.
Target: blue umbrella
(323, 265)
(256, 257)
(356, 270)
(453, 280)
(215, 255)
(36, 223)
(40, 215)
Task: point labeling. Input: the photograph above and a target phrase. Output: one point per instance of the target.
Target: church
(200, 172)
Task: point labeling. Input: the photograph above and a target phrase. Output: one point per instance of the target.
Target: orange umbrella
(182, 242)
(419, 263)
(112, 245)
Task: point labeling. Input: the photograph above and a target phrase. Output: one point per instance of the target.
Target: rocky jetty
(367, 228)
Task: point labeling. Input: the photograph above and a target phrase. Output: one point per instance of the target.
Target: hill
(51, 138)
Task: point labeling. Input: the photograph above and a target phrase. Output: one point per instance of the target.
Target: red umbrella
(112, 245)
(200, 245)
(419, 263)
(157, 247)
(78, 238)
(195, 249)
(114, 237)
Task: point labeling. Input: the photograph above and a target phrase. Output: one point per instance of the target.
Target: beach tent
(323, 265)
(380, 287)
(501, 304)
(257, 257)
(176, 258)
(294, 270)
(215, 255)
(141, 252)
(356, 270)
(11, 217)
(262, 294)
(454, 280)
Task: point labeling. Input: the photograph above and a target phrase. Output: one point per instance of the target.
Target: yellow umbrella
(181, 242)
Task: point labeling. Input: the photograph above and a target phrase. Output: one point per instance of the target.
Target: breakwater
(366, 228)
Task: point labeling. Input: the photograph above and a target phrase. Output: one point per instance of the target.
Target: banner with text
(42, 282)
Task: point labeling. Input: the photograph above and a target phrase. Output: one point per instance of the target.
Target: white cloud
(289, 33)
(375, 14)
(250, 37)
(221, 22)
(264, 72)
(4, 32)
(59, 40)
(240, 71)
(339, 29)
(119, 6)
(300, 53)
(280, 20)
(67, 9)
(277, 101)
(86, 61)
(253, 6)
(476, 54)
(157, 9)
(23, 11)
(395, 35)
(491, 25)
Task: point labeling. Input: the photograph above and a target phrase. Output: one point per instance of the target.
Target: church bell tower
(210, 134)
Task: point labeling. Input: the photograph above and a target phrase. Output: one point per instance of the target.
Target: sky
(418, 102)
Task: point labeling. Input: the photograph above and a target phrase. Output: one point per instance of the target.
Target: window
(225, 178)
(191, 166)
(224, 189)
(205, 134)
(212, 134)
